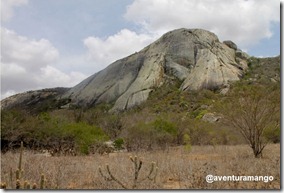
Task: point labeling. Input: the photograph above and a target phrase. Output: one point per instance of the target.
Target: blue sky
(50, 43)
(66, 23)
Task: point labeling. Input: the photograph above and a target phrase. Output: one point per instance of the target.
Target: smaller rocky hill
(36, 101)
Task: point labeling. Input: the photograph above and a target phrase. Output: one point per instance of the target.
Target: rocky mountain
(194, 56)
(38, 100)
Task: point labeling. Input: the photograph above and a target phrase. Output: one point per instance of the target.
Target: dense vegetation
(169, 117)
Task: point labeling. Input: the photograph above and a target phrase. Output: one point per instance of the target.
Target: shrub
(164, 126)
(201, 113)
(187, 142)
(201, 132)
(138, 137)
(84, 135)
(112, 125)
(118, 143)
(158, 133)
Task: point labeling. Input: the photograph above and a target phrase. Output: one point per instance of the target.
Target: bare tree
(252, 110)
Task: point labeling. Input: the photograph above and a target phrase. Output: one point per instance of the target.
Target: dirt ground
(176, 168)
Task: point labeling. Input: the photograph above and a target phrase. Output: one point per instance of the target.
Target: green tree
(84, 135)
(118, 143)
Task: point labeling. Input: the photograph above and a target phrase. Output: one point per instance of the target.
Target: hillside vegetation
(170, 117)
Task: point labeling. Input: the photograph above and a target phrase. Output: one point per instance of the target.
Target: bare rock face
(215, 65)
(194, 56)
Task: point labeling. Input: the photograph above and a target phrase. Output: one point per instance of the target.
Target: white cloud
(51, 76)
(29, 64)
(7, 7)
(242, 21)
(32, 54)
(103, 51)
(8, 93)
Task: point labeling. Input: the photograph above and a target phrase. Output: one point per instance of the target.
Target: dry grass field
(177, 168)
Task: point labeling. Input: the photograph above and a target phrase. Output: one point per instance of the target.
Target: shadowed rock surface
(36, 101)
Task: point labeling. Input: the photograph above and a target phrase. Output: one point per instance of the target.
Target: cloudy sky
(51, 43)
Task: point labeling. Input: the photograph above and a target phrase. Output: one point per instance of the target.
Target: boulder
(242, 55)
(211, 117)
(230, 44)
(224, 91)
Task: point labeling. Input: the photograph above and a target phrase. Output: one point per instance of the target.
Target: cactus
(111, 177)
(18, 184)
(25, 184)
(138, 164)
(19, 171)
(137, 167)
(21, 156)
(17, 174)
(11, 177)
(42, 180)
(152, 173)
